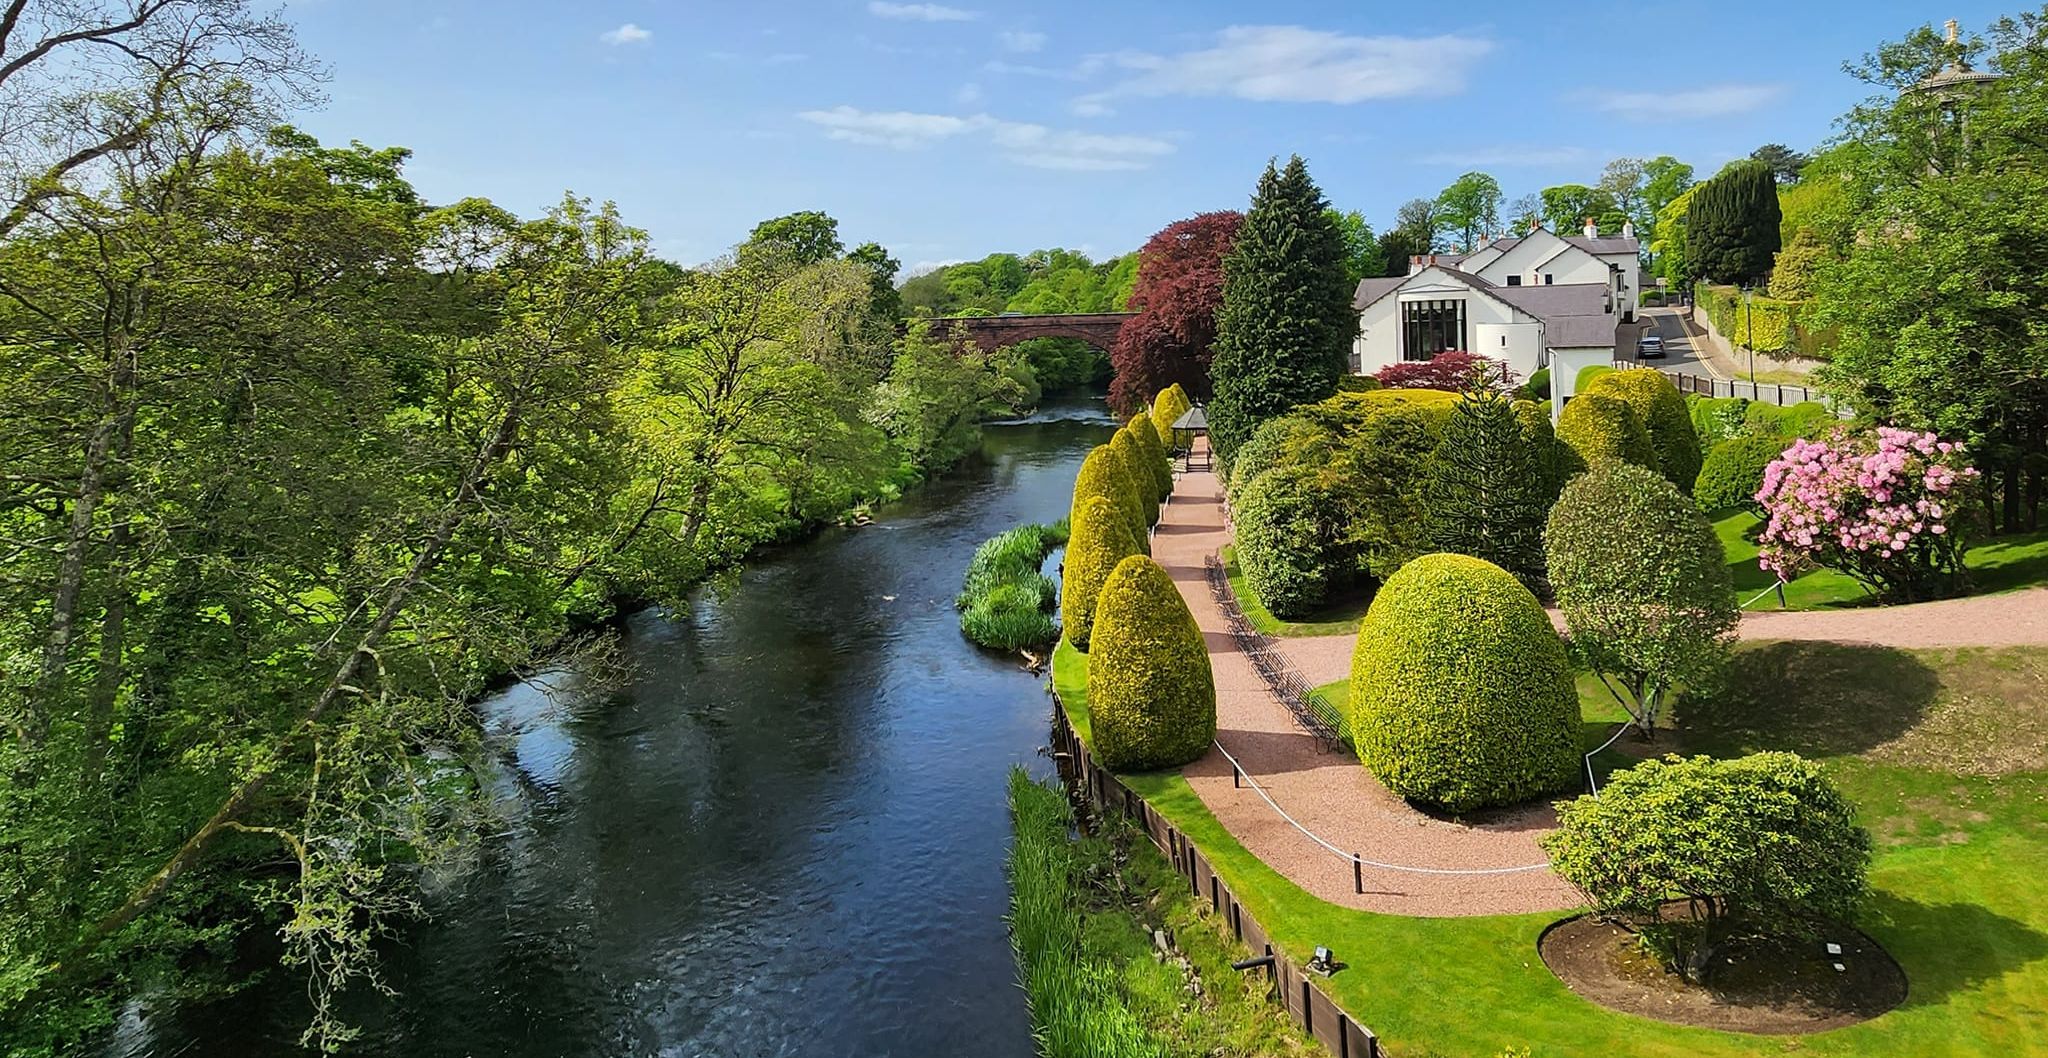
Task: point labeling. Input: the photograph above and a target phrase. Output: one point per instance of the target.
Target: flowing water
(784, 835)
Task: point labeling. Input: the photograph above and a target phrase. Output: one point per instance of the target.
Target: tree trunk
(70, 582)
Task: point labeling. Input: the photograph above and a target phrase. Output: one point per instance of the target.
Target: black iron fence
(1316, 714)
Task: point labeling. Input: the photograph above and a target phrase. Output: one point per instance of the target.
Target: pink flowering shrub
(1887, 508)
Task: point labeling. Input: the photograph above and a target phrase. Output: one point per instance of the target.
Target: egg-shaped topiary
(1597, 427)
(1151, 695)
(1156, 459)
(1461, 696)
(1124, 445)
(1105, 474)
(1662, 411)
(1167, 408)
(1734, 472)
(1098, 538)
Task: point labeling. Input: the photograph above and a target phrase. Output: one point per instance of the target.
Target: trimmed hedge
(1137, 463)
(1151, 695)
(1167, 408)
(1587, 374)
(1156, 459)
(1538, 386)
(1105, 474)
(1598, 427)
(1100, 537)
(1734, 471)
(1809, 419)
(1287, 439)
(1661, 409)
(1288, 523)
(1716, 419)
(1777, 327)
(1460, 692)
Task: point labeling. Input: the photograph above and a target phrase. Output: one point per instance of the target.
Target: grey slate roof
(1574, 315)
(1606, 244)
(1373, 288)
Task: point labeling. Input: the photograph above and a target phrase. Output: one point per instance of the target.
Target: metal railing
(1274, 667)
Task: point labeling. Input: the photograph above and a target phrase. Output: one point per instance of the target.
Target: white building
(1523, 301)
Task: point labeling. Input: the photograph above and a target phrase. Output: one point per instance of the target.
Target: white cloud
(968, 94)
(1509, 157)
(1022, 40)
(918, 268)
(1712, 101)
(1024, 143)
(920, 12)
(1090, 108)
(1293, 64)
(626, 34)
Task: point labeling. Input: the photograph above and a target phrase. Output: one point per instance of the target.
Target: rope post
(1236, 777)
(1357, 874)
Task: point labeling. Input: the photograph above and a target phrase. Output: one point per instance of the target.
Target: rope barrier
(1779, 587)
(1592, 786)
(1353, 857)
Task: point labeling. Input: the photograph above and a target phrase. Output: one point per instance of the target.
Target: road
(1680, 354)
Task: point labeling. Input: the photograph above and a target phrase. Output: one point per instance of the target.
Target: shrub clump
(1485, 488)
(1105, 474)
(1734, 471)
(1289, 523)
(1125, 447)
(1004, 601)
(1662, 411)
(1167, 408)
(1156, 462)
(1151, 695)
(1101, 538)
(1599, 427)
(1761, 846)
(1643, 585)
(1460, 692)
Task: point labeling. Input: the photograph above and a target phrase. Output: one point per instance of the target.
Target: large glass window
(1431, 327)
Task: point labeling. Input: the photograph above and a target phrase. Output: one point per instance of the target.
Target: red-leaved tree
(1453, 370)
(1179, 287)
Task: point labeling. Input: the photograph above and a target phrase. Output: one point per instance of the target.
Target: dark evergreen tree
(1284, 333)
(1488, 495)
(1732, 228)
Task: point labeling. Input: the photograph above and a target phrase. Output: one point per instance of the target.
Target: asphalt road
(1679, 352)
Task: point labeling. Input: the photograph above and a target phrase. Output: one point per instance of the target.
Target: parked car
(1649, 347)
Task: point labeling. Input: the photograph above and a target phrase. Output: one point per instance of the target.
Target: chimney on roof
(1592, 229)
(1628, 229)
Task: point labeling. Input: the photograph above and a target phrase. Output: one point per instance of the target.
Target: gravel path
(1329, 792)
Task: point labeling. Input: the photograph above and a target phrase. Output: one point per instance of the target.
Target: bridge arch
(1098, 329)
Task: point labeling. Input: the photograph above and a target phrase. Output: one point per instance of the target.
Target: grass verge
(1958, 861)
(1338, 617)
(2001, 564)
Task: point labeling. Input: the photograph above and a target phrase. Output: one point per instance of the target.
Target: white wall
(1492, 327)
(1565, 365)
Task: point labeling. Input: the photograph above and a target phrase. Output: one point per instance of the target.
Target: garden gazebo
(1192, 424)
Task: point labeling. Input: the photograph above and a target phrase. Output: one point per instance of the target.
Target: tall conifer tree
(1284, 333)
(1487, 491)
(1732, 226)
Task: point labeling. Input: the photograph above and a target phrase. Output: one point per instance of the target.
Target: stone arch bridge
(1098, 329)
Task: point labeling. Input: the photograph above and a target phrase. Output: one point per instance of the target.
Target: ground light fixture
(1323, 963)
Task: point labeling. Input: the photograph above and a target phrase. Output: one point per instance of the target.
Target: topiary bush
(1733, 472)
(1105, 474)
(1151, 695)
(1124, 445)
(1643, 585)
(1288, 439)
(1460, 692)
(1587, 374)
(1289, 525)
(1762, 845)
(1554, 459)
(1598, 427)
(1167, 408)
(1538, 386)
(1661, 409)
(1156, 460)
(1716, 419)
(1099, 539)
(1809, 419)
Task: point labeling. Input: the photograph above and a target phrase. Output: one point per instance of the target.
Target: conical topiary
(1664, 416)
(1104, 474)
(1098, 538)
(1151, 695)
(1155, 453)
(1167, 408)
(1460, 692)
(1126, 447)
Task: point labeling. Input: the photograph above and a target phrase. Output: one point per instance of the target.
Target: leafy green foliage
(1289, 523)
(1487, 488)
(1283, 334)
(1732, 225)
(1153, 453)
(1469, 209)
(1150, 691)
(1004, 600)
(1104, 473)
(1734, 471)
(1100, 537)
(1598, 427)
(1642, 584)
(1138, 468)
(1762, 845)
(1167, 407)
(1460, 693)
(1662, 411)
(939, 391)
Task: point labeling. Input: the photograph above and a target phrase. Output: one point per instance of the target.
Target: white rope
(1752, 602)
(1352, 857)
(1590, 784)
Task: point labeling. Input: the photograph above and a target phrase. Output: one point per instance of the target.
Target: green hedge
(1137, 464)
(1538, 386)
(1716, 419)
(1287, 439)
(1100, 538)
(1662, 411)
(1587, 374)
(1772, 326)
(1460, 692)
(1151, 695)
(1167, 408)
(1734, 471)
(1288, 523)
(1105, 474)
(1156, 460)
(1598, 427)
(1808, 419)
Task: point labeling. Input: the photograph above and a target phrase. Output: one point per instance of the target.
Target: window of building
(1515, 281)
(1548, 279)
(1431, 327)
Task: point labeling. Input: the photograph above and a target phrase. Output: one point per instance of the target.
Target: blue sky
(949, 131)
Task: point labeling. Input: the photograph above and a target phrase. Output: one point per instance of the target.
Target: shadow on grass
(1949, 948)
(2005, 563)
(1818, 699)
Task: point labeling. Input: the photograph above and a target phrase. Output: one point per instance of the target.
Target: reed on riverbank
(1005, 602)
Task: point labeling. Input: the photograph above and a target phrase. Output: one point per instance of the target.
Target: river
(782, 835)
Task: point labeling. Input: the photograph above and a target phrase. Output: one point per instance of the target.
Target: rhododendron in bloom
(1885, 507)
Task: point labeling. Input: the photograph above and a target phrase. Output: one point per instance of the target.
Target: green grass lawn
(1946, 755)
(2001, 564)
(1338, 617)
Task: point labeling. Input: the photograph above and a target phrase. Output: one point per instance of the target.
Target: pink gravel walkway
(1329, 792)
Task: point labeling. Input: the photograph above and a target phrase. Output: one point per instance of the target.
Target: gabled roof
(1611, 244)
(1574, 315)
